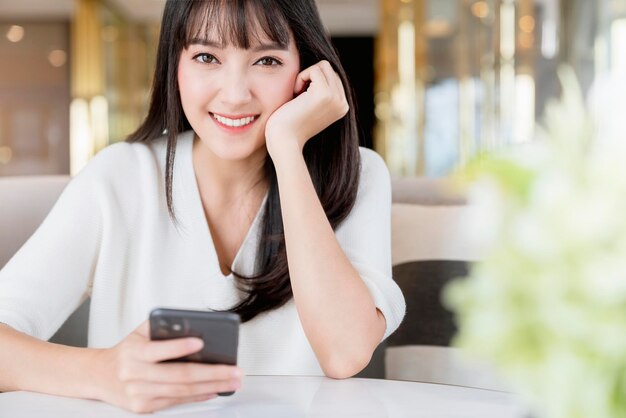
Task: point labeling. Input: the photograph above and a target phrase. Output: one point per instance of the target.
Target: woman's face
(228, 94)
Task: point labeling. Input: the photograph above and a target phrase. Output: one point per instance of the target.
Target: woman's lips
(234, 124)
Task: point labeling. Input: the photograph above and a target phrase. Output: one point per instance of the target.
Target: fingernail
(237, 373)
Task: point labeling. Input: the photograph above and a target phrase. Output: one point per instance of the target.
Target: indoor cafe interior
(500, 123)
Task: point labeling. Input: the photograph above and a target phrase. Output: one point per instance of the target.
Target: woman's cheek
(190, 83)
(284, 91)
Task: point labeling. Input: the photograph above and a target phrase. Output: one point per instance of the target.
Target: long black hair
(332, 156)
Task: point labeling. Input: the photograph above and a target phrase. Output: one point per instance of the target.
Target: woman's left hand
(298, 120)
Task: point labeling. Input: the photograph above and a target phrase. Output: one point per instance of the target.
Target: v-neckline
(199, 214)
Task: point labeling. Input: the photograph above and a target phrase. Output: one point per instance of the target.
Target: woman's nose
(235, 90)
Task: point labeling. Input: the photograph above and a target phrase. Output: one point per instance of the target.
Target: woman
(243, 190)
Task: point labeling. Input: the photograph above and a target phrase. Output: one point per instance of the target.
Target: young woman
(243, 190)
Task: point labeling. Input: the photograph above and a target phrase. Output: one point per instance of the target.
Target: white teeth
(233, 122)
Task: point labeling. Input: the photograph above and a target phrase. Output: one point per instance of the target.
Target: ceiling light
(527, 24)
(57, 58)
(15, 33)
(438, 28)
(480, 9)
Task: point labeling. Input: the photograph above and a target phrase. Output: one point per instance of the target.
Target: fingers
(156, 351)
(331, 77)
(313, 74)
(187, 373)
(324, 75)
(337, 85)
(300, 85)
(302, 79)
(306, 78)
(149, 387)
(141, 383)
(142, 390)
(318, 75)
(322, 102)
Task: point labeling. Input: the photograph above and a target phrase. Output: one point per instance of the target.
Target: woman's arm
(27, 363)
(335, 306)
(128, 375)
(50, 275)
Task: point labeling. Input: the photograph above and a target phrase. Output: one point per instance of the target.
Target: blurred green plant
(547, 304)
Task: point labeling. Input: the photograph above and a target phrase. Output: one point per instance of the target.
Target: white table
(294, 397)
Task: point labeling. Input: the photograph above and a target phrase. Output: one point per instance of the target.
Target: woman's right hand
(132, 377)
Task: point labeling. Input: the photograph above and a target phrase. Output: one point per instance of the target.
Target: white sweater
(109, 236)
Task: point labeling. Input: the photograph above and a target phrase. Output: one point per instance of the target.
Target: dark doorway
(357, 56)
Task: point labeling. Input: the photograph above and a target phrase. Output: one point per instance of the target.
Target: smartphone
(218, 330)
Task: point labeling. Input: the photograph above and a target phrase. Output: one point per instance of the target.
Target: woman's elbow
(343, 367)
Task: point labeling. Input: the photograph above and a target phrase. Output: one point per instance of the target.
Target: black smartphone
(218, 330)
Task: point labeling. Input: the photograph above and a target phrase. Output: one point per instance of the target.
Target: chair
(431, 245)
(24, 203)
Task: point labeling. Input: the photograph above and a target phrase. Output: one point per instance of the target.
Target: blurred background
(437, 81)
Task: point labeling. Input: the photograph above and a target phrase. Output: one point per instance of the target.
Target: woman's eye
(269, 62)
(205, 59)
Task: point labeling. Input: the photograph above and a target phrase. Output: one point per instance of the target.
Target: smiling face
(228, 92)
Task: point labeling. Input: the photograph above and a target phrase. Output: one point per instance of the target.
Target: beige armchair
(431, 245)
(24, 203)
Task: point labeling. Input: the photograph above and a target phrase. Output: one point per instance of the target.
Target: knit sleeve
(365, 237)
(50, 276)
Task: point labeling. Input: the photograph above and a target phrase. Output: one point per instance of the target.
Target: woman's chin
(231, 148)
(238, 152)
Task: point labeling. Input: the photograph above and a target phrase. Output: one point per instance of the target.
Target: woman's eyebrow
(270, 46)
(206, 42)
(258, 48)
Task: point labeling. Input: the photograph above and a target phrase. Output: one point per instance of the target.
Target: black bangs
(231, 19)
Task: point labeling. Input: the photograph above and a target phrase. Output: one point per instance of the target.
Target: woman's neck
(229, 181)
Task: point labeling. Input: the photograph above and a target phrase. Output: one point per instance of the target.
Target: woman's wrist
(284, 152)
(101, 368)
